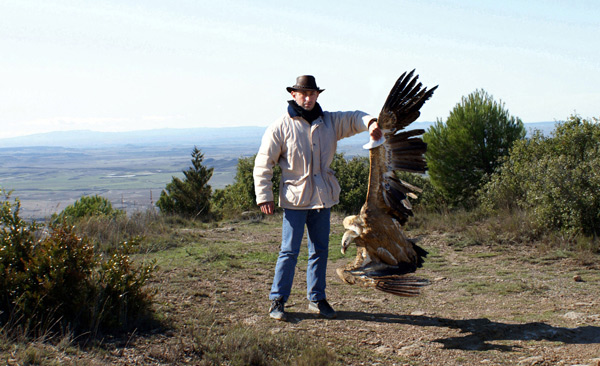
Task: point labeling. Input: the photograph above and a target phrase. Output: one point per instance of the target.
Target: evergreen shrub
(51, 278)
(555, 178)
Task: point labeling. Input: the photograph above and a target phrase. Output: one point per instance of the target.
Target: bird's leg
(345, 275)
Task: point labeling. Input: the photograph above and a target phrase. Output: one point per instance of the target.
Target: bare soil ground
(486, 305)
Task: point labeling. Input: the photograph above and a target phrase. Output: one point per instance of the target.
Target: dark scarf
(296, 111)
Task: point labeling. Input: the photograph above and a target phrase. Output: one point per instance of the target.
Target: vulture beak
(348, 238)
(353, 225)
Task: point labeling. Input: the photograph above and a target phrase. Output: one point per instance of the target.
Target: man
(303, 142)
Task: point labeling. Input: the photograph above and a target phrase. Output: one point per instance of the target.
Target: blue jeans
(318, 224)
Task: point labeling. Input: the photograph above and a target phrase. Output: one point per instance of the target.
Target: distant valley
(50, 171)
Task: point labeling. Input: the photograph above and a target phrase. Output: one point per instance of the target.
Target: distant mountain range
(158, 137)
(201, 136)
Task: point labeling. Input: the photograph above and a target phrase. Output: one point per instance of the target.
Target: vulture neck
(376, 170)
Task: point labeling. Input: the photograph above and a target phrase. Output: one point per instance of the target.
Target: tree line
(478, 159)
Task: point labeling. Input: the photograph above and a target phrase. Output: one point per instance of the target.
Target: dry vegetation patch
(487, 304)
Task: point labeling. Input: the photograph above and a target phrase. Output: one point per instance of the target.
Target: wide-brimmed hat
(305, 82)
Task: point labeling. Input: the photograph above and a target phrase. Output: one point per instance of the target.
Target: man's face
(305, 98)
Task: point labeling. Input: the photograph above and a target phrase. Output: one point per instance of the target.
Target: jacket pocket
(296, 193)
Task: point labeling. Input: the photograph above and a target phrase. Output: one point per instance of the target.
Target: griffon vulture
(385, 255)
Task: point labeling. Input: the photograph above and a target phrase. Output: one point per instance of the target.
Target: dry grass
(499, 295)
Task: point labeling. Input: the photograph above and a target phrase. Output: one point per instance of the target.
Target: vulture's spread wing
(384, 253)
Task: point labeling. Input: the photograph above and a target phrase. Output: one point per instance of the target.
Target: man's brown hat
(305, 82)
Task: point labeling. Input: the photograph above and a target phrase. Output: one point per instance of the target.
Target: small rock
(375, 342)
(248, 215)
(573, 315)
(577, 278)
(438, 279)
(252, 320)
(535, 360)
(383, 349)
(418, 313)
(410, 351)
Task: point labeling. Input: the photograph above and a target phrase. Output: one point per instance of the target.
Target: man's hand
(267, 207)
(374, 131)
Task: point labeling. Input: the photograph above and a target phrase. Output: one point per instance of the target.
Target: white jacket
(304, 152)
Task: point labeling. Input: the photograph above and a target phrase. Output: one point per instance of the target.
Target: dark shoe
(323, 308)
(277, 310)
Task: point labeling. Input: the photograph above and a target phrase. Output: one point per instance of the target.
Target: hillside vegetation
(496, 298)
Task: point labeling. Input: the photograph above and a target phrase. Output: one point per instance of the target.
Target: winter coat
(304, 152)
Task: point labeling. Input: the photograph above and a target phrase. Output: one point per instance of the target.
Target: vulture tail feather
(402, 286)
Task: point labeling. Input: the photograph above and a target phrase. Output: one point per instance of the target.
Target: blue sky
(130, 65)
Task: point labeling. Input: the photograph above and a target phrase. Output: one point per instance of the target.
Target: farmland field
(46, 179)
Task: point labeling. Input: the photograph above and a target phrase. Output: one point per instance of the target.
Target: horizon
(183, 128)
(115, 66)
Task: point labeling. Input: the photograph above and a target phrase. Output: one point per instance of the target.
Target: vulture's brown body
(385, 255)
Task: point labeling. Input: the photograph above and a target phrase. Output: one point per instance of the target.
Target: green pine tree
(191, 196)
(464, 151)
